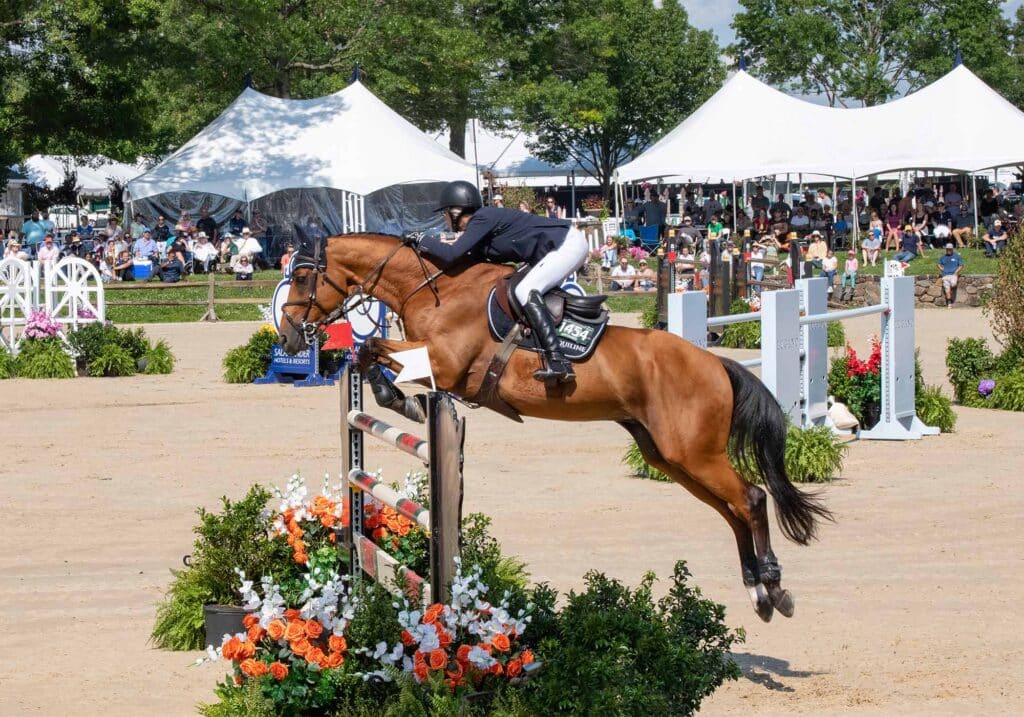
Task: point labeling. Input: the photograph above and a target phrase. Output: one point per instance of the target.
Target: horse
(686, 408)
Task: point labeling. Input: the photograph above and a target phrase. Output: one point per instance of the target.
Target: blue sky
(717, 14)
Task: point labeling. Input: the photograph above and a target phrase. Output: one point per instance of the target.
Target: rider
(553, 249)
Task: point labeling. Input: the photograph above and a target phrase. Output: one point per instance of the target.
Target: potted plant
(858, 383)
(594, 206)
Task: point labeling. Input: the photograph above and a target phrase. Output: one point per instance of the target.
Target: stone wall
(928, 290)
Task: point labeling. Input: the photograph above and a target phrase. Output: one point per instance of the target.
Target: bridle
(362, 293)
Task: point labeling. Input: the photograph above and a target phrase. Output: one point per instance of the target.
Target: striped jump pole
(442, 453)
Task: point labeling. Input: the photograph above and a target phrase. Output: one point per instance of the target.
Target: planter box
(222, 620)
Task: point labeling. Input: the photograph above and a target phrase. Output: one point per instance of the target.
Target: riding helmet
(460, 194)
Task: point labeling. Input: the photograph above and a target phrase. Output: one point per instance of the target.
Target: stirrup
(558, 370)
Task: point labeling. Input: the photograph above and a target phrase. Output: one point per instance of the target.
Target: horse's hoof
(762, 604)
(785, 603)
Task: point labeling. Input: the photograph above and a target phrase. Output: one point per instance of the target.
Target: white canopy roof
(748, 129)
(260, 144)
(47, 170)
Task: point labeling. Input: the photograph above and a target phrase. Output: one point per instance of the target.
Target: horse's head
(318, 291)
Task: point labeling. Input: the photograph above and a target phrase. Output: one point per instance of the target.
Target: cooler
(142, 268)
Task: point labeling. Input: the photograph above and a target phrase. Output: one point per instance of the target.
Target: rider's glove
(412, 238)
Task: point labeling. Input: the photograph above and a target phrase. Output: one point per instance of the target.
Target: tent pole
(800, 178)
(476, 159)
(734, 214)
(974, 183)
(615, 191)
(856, 214)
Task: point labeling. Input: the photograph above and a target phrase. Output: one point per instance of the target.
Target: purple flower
(86, 313)
(40, 325)
(986, 386)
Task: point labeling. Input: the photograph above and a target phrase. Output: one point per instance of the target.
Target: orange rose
(333, 537)
(313, 629)
(419, 658)
(336, 643)
(230, 648)
(335, 659)
(295, 630)
(433, 612)
(501, 642)
(292, 614)
(462, 654)
(495, 669)
(438, 659)
(527, 657)
(279, 670)
(407, 639)
(301, 558)
(457, 672)
(246, 649)
(249, 668)
(300, 647)
(314, 654)
(444, 638)
(250, 620)
(275, 629)
(255, 633)
(514, 668)
(421, 671)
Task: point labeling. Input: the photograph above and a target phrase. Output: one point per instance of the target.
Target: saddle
(581, 320)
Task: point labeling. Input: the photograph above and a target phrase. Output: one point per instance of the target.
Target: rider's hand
(412, 238)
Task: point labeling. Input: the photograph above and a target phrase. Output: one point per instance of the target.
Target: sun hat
(816, 233)
(202, 235)
(499, 198)
(908, 228)
(246, 230)
(949, 246)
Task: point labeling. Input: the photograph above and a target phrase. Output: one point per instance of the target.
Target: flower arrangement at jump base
(251, 360)
(315, 641)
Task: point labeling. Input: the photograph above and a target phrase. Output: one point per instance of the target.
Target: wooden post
(211, 312)
(447, 436)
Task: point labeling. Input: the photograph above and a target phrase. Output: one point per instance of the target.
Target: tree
(619, 74)
(869, 51)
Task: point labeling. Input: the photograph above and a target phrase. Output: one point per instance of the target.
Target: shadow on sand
(764, 670)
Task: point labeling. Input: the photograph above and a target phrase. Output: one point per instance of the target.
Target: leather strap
(488, 393)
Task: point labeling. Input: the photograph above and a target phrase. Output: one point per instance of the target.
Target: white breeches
(553, 268)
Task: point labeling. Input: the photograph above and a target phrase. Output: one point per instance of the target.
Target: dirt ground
(906, 605)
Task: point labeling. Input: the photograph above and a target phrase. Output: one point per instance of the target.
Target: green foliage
(1005, 307)
(967, 362)
(113, 360)
(612, 650)
(638, 466)
(479, 548)
(741, 336)
(935, 409)
(43, 358)
(235, 537)
(1009, 392)
(244, 363)
(7, 365)
(134, 342)
(159, 359)
(813, 455)
(244, 701)
(649, 315)
(836, 334)
(88, 341)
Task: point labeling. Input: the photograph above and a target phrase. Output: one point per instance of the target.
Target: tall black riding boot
(556, 366)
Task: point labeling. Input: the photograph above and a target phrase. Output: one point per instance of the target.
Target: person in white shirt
(623, 275)
(48, 252)
(251, 245)
(204, 254)
(609, 253)
(829, 267)
(243, 268)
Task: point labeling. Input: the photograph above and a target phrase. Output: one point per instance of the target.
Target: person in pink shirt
(849, 273)
(48, 252)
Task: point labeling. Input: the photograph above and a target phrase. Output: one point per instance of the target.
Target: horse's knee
(757, 501)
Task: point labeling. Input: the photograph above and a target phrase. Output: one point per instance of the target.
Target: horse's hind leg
(759, 595)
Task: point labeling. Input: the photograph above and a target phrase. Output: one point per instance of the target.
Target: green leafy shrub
(836, 334)
(134, 342)
(235, 537)
(245, 363)
(159, 359)
(88, 341)
(935, 409)
(741, 336)
(612, 650)
(649, 315)
(1005, 305)
(43, 358)
(7, 367)
(813, 455)
(967, 362)
(113, 360)
(638, 465)
(1009, 392)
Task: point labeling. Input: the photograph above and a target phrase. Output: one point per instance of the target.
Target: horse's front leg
(374, 352)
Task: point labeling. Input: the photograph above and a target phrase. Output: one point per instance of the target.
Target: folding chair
(649, 238)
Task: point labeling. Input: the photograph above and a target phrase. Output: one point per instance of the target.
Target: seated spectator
(623, 275)
(237, 223)
(170, 270)
(104, 267)
(757, 253)
(113, 229)
(161, 233)
(800, 223)
(146, 248)
(609, 253)
(893, 221)
(243, 268)
(994, 238)
(942, 224)
(73, 245)
(137, 227)
(689, 234)
(715, 226)
(645, 278)
(204, 255)
(124, 267)
(85, 227)
(685, 261)
(48, 253)
(964, 230)
(950, 264)
(13, 250)
(910, 245)
(185, 224)
(781, 208)
(251, 246)
(871, 247)
(817, 250)
(829, 266)
(850, 268)
(286, 258)
(178, 248)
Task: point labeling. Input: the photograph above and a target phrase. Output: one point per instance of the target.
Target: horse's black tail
(757, 442)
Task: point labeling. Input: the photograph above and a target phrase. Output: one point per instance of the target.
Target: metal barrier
(794, 349)
(442, 453)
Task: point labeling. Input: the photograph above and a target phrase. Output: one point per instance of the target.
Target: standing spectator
(48, 226)
(124, 269)
(789, 252)
(910, 245)
(782, 207)
(161, 232)
(236, 223)
(759, 201)
(208, 225)
(829, 265)
(204, 255)
(877, 201)
(950, 264)
(185, 224)
(34, 232)
(146, 248)
(711, 207)
(849, 275)
(995, 239)
(552, 210)
(85, 228)
(953, 201)
(653, 214)
(989, 208)
(631, 219)
(243, 268)
(258, 226)
(623, 275)
(136, 228)
(48, 252)
(645, 279)
(286, 258)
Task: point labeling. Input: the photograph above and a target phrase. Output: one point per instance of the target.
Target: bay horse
(686, 408)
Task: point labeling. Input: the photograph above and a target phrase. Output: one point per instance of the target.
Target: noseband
(317, 263)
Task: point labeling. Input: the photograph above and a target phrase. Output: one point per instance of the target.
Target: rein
(363, 290)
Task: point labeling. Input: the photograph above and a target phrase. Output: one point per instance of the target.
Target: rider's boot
(556, 366)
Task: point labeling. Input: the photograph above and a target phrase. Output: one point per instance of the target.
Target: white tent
(259, 145)
(748, 129)
(48, 170)
(507, 155)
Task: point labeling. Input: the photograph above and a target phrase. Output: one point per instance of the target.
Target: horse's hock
(442, 453)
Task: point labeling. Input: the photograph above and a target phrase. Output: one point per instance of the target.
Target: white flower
(480, 658)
